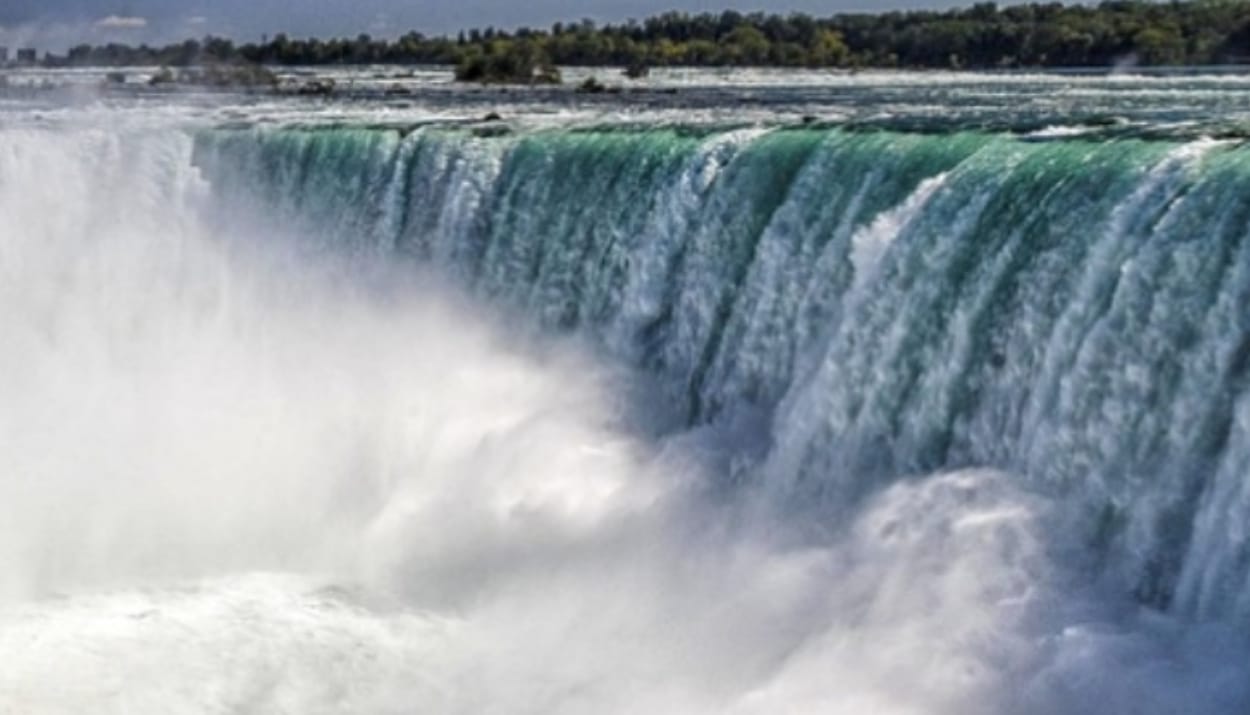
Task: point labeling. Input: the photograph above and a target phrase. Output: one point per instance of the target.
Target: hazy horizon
(57, 24)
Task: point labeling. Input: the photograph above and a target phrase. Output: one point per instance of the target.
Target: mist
(244, 470)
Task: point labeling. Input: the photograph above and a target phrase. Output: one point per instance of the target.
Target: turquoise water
(937, 401)
(894, 303)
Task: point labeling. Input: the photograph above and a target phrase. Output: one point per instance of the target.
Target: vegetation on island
(983, 36)
(512, 62)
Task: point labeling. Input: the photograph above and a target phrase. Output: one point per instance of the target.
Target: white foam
(234, 478)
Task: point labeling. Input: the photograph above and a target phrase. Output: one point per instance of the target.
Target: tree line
(982, 36)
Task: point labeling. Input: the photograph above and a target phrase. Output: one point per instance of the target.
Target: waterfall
(892, 303)
(614, 419)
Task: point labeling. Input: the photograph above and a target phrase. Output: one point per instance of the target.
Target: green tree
(827, 49)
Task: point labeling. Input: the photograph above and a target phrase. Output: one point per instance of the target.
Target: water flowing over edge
(891, 311)
(891, 304)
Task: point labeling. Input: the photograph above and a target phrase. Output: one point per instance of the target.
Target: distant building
(4, 55)
(27, 56)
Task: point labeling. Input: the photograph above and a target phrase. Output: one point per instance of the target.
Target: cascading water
(620, 418)
(895, 304)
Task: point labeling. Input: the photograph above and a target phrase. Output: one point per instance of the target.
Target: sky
(56, 24)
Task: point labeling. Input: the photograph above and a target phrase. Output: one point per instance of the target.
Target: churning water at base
(353, 420)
